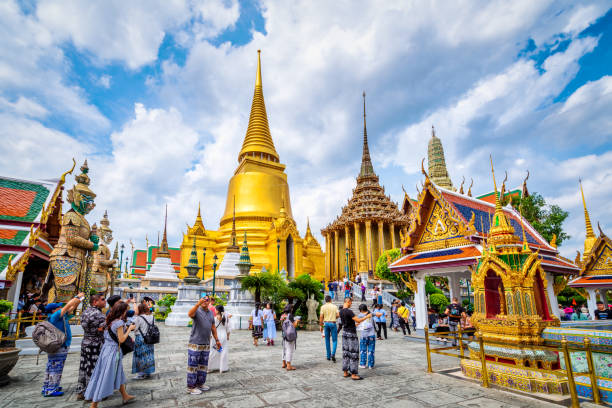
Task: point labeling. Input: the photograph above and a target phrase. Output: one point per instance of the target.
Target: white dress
(216, 360)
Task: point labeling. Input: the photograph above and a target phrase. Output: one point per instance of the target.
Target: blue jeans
(366, 349)
(347, 293)
(330, 329)
(331, 294)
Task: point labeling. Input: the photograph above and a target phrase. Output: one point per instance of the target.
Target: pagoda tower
(368, 224)
(258, 203)
(162, 268)
(590, 235)
(436, 162)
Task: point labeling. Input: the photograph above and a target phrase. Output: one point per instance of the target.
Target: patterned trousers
(54, 370)
(197, 364)
(90, 351)
(367, 345)
(350, 352)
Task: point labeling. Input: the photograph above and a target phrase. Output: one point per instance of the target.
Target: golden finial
(493, 173)
(147, 240)
(423, 169)
(461, 188)
(553, 241)
(601, 233)
(525, 243)
(587, 219)
(433, 131)
(417, 189)
(258, 77)
(524, 192)
(469, 193)
(63, 177)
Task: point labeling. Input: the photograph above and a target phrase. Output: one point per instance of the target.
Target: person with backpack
(108, 375)
(403, 316)
(143, 362)
(219, 358)
(455, 312)
(93, 322)
(55, 340)
(289, 324)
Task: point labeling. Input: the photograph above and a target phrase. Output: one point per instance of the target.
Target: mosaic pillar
(327, 257)
(381, 240)
(392, 232)
(357, 254)
(347, 244)
(336, 269)
(369, 249)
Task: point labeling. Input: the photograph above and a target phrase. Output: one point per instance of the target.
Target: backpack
(152, 335)
(289, 332)
(454, 310)
(47, 337)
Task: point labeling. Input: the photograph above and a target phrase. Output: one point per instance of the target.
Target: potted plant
(9, 354)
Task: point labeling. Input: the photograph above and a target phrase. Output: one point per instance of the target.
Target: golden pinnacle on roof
(590, 235)
(500, 231)
(233, 246)
(367, 169)
(258, 140)
(437, 163)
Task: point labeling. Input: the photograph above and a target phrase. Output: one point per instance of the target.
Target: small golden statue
(68, 260)
(102, 263)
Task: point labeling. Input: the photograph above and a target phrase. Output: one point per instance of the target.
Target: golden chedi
(258, 197)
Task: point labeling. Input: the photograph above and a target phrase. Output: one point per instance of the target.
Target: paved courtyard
(256, 380)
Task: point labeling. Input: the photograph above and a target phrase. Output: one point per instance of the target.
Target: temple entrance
(494, 295)
(290, 260)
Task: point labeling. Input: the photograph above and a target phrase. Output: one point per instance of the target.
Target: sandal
(356, 378)
(129, 400)
(290, 368)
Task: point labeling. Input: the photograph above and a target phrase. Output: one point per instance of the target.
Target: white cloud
(104, 81)
(24, 106)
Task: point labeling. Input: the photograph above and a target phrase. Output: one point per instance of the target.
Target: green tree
(546, 219)
(382, 270)
(438, 301)
(258, 283)
(308, 286)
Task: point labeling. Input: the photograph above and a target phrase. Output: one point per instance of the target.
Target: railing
(388, 298)
(565, 348)
(17, 324)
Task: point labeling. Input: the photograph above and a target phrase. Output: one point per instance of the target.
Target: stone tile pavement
(255, 379)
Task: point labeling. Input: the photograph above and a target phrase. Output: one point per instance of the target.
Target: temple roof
(369, 202)
(437, 163)
(258, 139)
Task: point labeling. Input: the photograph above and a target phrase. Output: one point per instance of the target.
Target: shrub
(403, 294)
(5, 306)
(562, 300)
(438, 301)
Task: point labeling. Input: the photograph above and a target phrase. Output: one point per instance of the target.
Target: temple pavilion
(258, 203)
(30, 214)
(595, 274)
(447, 236)
(369, 223)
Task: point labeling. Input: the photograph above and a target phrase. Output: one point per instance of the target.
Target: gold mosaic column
(327, 254)
(392, 232)
(336, 257)
(369, 244)
(357, 248)
(381, 240)
(347, 240)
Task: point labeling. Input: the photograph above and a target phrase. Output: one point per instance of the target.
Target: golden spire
(258, 139)
(163, 251)
(366, 163)
(500, 231)
(233, 246)
(590, 235)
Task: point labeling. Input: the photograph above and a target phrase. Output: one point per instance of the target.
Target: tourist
(584, 311)
(367, 338)
(330, 287)
(380, 317)
(256, 323)
(561, 312)
(402, 314)
(347, 289)
(442, 328)
(198, 348)
(108, 374)
(432, 318)
(93, 322)
(374, 294)
(59, 316)
(289, 324)
(394, 317)
(413, 315)
(269, 319)
(363, 292)
(219, 359)
(143, 361)
(455, 312)
(350, 342)
(327, 319)
(111, 300)
(602, 313)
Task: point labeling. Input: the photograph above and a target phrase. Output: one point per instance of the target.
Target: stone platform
(256, 380)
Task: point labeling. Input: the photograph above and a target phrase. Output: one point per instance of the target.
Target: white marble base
(162, 269)
(188, 296)
(240, 305)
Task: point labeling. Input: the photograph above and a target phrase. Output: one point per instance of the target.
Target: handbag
(127, 346)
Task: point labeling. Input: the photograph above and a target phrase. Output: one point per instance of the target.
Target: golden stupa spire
(366, 162)
(163, 251)
(258, 140)
(590, 235)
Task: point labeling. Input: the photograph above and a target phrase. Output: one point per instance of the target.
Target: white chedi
(162, 269)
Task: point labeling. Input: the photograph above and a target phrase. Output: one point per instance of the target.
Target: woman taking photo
(143, 362)
(108, 374)
(256, 323)
(219, 360)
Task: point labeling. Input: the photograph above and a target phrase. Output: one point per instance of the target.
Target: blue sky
(157, 94)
